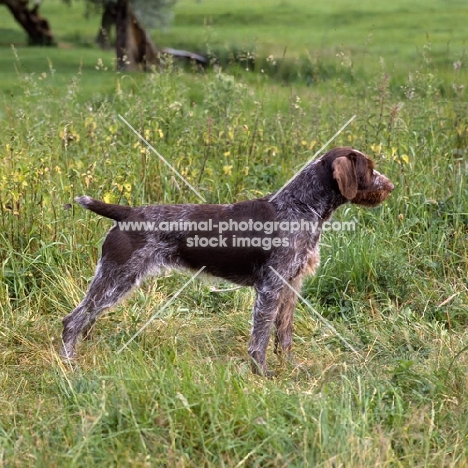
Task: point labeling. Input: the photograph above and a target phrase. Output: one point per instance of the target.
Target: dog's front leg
(284, 318)
(264, 314)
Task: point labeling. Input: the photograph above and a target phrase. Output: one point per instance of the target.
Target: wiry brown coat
(342, 175)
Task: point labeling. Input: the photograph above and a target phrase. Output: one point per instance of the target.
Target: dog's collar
(314, 211)
(308, 207)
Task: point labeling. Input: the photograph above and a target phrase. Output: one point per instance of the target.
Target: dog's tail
(115, 212)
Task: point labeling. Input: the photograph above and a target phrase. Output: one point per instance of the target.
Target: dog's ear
(344, 172)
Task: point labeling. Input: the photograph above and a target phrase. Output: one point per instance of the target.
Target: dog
(263, 243)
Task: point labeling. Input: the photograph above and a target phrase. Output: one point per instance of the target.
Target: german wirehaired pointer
(259, 243)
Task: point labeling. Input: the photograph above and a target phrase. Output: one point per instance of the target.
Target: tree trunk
(103, 38)
(135, 49)
(35, 25)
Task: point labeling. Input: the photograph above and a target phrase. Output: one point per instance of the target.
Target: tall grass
(182, 393)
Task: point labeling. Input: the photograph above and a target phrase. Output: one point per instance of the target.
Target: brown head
(357, 179)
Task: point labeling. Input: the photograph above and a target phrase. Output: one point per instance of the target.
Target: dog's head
(356, 177)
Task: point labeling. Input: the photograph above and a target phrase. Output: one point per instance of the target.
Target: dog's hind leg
(110, 285)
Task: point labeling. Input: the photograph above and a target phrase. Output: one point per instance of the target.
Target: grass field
(182, 393)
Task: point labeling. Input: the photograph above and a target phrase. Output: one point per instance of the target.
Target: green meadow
(285, 76)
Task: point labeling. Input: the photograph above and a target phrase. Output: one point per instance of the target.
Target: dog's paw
(67, 354)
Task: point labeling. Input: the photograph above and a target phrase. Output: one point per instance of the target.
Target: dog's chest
(312, 260)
